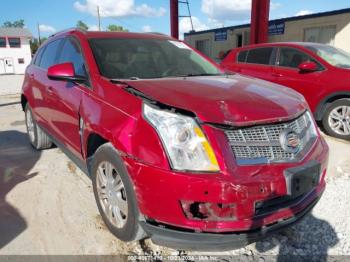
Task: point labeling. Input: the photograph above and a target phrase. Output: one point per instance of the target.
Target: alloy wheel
(112, 194)
(339, 120)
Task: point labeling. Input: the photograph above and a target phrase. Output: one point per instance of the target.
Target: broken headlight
(184, 141)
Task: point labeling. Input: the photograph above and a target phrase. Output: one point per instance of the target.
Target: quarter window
(50, 54)
(71, 53)
(260, 56)
(38, 56)
(15, 42)
(2, 42)
(242, 56)
(291, 57)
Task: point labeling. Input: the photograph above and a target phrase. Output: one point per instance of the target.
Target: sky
(148, 15)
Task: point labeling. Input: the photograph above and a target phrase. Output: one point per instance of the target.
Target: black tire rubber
(41, 140)
(132, 230)
(326, 127)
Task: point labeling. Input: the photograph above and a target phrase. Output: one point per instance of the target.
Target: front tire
(38, 139)
(336, 120)
(114, 194)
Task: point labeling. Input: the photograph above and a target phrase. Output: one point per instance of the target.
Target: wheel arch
(24, 101)
(93, 142)
(322, 106)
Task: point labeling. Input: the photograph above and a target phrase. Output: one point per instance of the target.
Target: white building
(15, 54)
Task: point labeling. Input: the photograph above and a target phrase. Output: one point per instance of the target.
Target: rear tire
(38, 139)
(114, 194)
(336, 120)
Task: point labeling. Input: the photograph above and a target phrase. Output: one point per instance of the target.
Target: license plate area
(302, 179)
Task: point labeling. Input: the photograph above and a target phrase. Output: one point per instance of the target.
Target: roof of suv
(106, 34)
(282, 44)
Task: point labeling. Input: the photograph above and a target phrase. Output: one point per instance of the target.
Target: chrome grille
(263, 144)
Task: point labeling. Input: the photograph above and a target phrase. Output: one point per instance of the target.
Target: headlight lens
(183, 139)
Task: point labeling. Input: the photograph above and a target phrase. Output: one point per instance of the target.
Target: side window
(260, 56)
(291, 57)
(71, 53)
(50, 53)
(242, 56)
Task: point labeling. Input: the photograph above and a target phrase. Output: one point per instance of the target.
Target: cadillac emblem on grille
(290, 141)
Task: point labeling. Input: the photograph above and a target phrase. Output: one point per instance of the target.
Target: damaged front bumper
(178, 239)
(257, 194)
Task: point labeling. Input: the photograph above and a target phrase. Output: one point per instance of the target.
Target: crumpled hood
(232, 100)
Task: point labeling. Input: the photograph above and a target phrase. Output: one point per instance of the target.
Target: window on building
(203, 46)
(242, 56)
(291, 57)
(20, 60)
(323, 35)
(260, 56)
(50, 54)
(15, 42)
(71, 53)
(239, 42)
(2, 42)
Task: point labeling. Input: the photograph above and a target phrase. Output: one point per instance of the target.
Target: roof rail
(157, 33)
(69, 30)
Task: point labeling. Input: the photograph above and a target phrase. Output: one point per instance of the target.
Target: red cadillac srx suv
(177, 150)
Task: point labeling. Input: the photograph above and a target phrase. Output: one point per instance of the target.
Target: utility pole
(39, 33)
(174, 18)
(99, 18)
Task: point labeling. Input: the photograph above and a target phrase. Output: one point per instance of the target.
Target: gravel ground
(10, 84)
(47, 207)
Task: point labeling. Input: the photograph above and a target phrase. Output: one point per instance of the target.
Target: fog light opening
(209, 211)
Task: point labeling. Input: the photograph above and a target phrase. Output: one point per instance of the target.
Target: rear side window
(260, 56)
(71, 53)
(242, 56)
(38, 57)
(49, 56)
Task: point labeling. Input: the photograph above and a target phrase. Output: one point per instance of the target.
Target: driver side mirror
(64, 72)
(308, 67)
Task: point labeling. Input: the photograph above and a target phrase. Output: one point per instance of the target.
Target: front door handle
(277, 74)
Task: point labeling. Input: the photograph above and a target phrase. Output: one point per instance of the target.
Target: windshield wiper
(203, 74)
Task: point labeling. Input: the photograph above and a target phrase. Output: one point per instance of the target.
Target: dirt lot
(47, 205)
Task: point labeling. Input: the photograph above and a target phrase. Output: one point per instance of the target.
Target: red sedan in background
(319, 72)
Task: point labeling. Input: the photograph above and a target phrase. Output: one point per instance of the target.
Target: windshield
(332, 55)
(148, 58)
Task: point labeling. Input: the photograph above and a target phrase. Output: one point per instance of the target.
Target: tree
(17, 23)
(34, 45)
(82, 25)
(116, 28)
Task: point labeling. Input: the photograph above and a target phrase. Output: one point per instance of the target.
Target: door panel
(64, 102)
(257, 62)
(66, 97)
(288, 73)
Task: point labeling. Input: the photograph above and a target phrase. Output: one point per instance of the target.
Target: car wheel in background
(37, 137)
(336, 120)
(115, 195)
